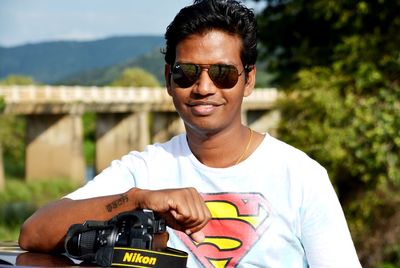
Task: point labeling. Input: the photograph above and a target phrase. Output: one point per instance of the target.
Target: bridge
(126, 119)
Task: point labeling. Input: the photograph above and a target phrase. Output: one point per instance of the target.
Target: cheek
(238, 92)
(178, 97)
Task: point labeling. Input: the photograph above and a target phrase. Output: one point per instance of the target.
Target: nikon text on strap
(134, 257)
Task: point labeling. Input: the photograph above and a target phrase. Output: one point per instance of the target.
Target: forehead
(210, 47)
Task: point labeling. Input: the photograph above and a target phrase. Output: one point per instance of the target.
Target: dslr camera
(126, 239)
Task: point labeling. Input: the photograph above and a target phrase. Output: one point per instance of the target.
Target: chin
(202, 127)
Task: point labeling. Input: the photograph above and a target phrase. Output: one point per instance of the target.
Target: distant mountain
(52, 62)
(152, 62)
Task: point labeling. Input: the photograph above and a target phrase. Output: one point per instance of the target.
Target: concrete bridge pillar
(165, 125)
(117, 134)
(55, 147)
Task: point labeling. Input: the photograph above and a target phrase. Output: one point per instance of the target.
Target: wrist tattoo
(117, 203)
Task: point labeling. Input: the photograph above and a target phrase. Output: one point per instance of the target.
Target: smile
(203, 108)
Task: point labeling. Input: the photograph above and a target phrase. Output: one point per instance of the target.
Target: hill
(152, 62)
(51, 62)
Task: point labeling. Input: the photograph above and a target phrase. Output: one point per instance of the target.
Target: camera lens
(87, 242)
(81, 243)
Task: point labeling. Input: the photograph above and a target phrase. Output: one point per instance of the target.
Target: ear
(250, 81)
(167, 75)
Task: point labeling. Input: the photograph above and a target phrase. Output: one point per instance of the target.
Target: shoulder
(295, 169)
(174, 146)
(289, 155)
(154, 154)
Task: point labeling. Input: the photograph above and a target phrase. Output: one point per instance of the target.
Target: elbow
(23, 239)
(31, 240)
(26, 237)
(35, 236)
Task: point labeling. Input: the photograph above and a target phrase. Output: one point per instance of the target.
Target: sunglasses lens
(224, 76)
(185, 75)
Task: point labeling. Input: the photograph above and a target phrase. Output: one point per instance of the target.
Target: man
(232, 196)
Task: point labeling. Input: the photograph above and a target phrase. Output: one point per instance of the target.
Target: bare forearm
(45, 230)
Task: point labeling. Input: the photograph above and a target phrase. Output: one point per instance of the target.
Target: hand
(183, 209)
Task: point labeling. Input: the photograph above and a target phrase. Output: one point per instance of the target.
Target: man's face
(203, 106)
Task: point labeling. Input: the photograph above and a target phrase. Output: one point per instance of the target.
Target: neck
(232, 144)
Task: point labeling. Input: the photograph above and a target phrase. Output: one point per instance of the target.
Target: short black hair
(205, 15)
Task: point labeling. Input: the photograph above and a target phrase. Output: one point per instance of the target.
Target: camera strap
(134, 257)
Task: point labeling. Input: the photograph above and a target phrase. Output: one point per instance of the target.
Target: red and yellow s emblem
(238, 221)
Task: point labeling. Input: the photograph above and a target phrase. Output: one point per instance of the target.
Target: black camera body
(94, 241)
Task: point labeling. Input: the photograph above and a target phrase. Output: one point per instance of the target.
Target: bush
(357, 138)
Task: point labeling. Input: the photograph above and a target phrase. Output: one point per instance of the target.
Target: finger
(194, 205)
(196, 228)
(201, 212)
(197, 236)
(185, 207)
(205, 213)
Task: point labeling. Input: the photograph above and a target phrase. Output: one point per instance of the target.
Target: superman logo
(237, 223)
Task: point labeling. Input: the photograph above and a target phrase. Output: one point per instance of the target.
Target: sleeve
(118, 178)
(324, 231)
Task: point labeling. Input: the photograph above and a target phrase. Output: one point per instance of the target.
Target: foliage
(135, 77)
(152, 62)
(20, 199)
(2, 104)
(12, 138)
(349, 133)
(12, 132)
(89, 138)
(17, 80)
(340, 65)
(361, 36)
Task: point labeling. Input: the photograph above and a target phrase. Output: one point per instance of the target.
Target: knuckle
(192, 190)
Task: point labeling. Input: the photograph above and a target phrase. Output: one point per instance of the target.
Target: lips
(203, 108)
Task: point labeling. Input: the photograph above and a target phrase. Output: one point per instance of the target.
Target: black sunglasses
(223, 75)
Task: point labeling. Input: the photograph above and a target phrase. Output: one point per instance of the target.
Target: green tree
(360, 36)
(136, 77)
(339, 62)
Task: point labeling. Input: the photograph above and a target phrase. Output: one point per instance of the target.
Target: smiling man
(231, 196)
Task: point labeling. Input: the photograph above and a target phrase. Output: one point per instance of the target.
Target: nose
(204, 85)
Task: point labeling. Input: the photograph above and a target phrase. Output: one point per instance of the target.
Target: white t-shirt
(275, 209)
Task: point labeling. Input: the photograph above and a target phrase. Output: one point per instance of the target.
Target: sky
(34, 21)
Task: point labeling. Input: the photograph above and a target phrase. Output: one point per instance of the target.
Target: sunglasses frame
(200, 67)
